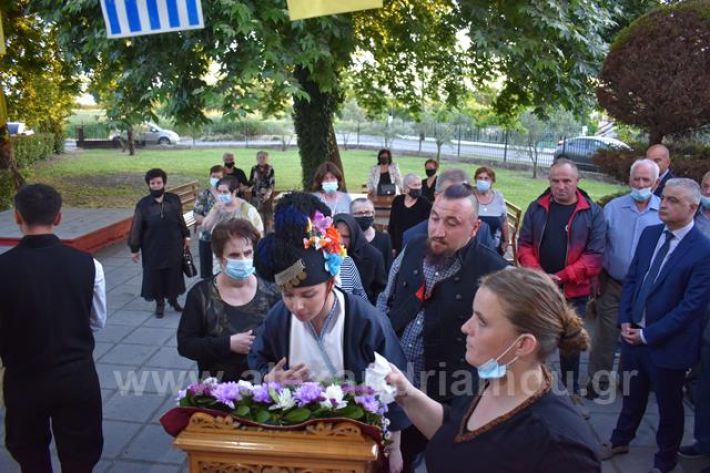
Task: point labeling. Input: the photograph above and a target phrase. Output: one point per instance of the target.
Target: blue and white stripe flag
(138, 17)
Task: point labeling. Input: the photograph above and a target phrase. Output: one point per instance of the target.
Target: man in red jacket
(563, 234)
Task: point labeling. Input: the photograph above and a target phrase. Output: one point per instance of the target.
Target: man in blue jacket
(661, 312)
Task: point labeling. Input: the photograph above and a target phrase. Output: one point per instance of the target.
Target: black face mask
(430, 172)
(415, 193)
(229, 165)
(364, 222)
(157, 192)
(382, 160)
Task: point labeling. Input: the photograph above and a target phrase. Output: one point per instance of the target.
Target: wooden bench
(515, 218)
(188, 195)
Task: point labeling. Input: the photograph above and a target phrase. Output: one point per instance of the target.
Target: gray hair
(361, 200)
(409, 178)
(562, 161)
(692, 188)
(451, 176)
(646, 162)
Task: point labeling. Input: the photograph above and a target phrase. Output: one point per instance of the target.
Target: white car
(150, 133)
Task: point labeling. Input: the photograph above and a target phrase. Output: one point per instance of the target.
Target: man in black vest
(51, 298)
(429, 296)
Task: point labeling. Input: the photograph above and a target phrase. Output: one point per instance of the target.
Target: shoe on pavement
(578, 403)
(608, 450)
(176, 305)
(691, 451)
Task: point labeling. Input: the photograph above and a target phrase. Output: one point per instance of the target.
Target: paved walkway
(136, 353)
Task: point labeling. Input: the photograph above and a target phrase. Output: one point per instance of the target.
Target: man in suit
(51, 298)
(661, 311)
(660, 155)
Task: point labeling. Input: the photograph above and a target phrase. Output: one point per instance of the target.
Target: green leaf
(262, 416)
(350, 412)
(298, 415)
(242, 411)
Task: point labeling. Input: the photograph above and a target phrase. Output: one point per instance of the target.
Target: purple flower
(227, 393)
(369, 403)
(321, 222)
(307, 393)
(262, 392)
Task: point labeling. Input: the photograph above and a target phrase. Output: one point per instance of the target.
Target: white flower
(245, 386)
(375, 377)
(284, 400)
(210, 382)
(181, 395)
(333, 398)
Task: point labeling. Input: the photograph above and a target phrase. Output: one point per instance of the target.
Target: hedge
(691, 161)
(32, 149)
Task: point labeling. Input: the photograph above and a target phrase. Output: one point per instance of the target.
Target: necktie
(640, 302)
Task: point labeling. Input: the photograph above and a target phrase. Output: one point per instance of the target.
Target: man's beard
(437, 260)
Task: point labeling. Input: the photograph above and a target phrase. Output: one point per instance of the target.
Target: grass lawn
(109, 178)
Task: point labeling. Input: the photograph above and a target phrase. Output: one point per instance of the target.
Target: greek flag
(138, 17)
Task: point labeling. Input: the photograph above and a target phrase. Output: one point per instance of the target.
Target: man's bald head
(660, 155)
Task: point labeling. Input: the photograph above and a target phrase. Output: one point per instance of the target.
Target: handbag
(386, 189)
(188, 264)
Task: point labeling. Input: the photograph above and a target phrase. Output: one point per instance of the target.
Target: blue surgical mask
(329, 187)
(226, 199)
(705, 201)
(214, 181)
(491, 369)
(641, 195)
(239, 269)
(483, 186)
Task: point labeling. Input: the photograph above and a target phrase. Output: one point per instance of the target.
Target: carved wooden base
(223, 445)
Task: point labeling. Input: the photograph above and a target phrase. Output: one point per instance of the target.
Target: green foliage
(655, 75)
(29, 150)
(39, 84)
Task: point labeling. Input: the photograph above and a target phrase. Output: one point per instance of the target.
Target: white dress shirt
(98, 305)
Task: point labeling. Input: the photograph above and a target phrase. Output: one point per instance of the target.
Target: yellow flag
(2, 38)
(302, 9)
(3, 110)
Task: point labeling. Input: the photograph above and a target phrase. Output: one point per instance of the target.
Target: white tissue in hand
(375, 375)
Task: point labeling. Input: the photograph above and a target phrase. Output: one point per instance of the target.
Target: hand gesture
(135, 256)
(241, 342)
(186, 243)
(298, 373)
(396, 462)
(400, 382)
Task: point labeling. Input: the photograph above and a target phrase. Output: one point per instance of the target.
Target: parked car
(581, 149)
(19, 128)
(149, 133)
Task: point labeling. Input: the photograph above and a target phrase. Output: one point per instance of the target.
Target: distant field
(109, 178)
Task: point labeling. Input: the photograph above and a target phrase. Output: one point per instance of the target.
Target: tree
(655, 76)
(407, 51)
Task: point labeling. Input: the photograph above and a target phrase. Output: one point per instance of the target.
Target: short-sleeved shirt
(494, 214)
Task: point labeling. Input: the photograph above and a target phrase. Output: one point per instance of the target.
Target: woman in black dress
(521, 421)
(221, 313)
(159, 232)
(431, 167)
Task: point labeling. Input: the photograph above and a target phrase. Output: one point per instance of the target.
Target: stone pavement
(140, 372)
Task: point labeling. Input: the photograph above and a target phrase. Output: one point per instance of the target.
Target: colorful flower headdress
(322, 237)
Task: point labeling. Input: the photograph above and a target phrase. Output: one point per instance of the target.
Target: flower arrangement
(322, 235)
(289, 404)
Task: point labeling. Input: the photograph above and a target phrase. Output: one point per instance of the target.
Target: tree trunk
(313, 121)
(655, 137)
(131, 142)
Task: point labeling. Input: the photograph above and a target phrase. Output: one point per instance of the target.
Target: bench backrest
(187, 192)
(515, 217)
